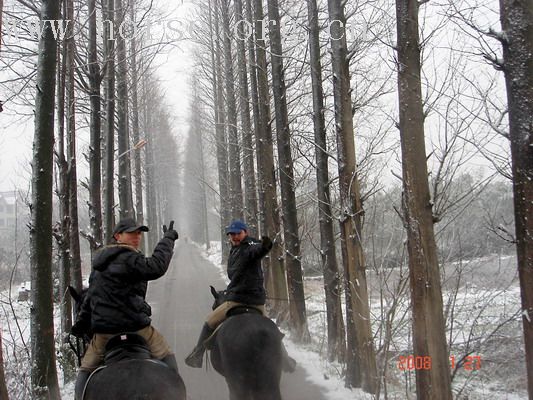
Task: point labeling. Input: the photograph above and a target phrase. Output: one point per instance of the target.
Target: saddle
(126, 346)
(242, 309)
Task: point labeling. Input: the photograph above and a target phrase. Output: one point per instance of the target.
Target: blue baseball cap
(236, 226)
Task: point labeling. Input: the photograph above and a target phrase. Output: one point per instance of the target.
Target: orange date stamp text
(415, 363)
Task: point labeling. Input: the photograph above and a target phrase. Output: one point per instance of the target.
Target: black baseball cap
(129, 225)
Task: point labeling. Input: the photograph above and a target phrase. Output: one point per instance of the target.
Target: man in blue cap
(246, 285)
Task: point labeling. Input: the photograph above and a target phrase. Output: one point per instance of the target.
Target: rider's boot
(195, 359)
(288, 364)
(170, 360)
(81, 380)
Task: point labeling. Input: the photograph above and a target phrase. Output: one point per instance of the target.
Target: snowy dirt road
(180, 301)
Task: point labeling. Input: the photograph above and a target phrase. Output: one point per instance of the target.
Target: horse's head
(219, 295)
(82, 325)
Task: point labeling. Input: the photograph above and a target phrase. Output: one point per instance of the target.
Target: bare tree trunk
(3, 387)
(135, 122)
(193, 178)
(1, 17)
(43, 356)
(124, 155)
(62, 191)
(203, 196)
(298, 318)
(95, 152)
(221, 142)
(200, 170)
(275, 280)
(235, 174)
(426, 298)
(74, 236)
(250, 189)
(62, 236)
(517, 42)
(151, 198)
(259, 214)
(360, 355)
(336, 340)
(109, 93)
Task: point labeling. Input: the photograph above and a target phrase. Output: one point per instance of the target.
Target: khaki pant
(218, 315)
(94, 356)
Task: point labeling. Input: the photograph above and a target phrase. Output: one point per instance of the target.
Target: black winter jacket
(245, 273)
(117, 287)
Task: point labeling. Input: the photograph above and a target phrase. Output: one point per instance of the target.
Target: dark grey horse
(129, 372)
(247, 352)
(135, 380)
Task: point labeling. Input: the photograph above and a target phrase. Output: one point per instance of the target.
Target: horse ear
(213, 292)
(75, 295)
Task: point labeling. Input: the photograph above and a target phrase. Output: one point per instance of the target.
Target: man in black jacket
(115, 302)
(246, 286)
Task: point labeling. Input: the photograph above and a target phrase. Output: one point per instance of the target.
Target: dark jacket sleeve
(256, 251)
(150, 268)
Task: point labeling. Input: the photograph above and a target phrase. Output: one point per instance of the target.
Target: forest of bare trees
(385, 147)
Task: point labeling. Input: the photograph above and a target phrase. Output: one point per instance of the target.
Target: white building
(8, 210)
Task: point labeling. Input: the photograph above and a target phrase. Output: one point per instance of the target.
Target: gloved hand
(266, 242)
(170, 233)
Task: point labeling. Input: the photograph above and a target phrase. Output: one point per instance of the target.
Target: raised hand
(266, 242)
(169, 232)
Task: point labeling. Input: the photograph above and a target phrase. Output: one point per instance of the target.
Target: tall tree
(517, 41)
(95, 153)
(124, 155)
(108, 15)
(298, 320)
(43, 356)
(235, 175)
(254, 98)
(134, 67)
(336, 341)
(250, 189)
(276, 280)
(194, 170)
(62, 235)
(1, 17)
(220, 130)
(360, 355)
(426, 296)
(148, 92)
(74, 235)
(62, 190)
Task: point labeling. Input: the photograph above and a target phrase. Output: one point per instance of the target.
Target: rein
(78, 347)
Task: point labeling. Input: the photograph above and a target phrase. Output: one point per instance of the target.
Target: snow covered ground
(485, 297)
(478, 307)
